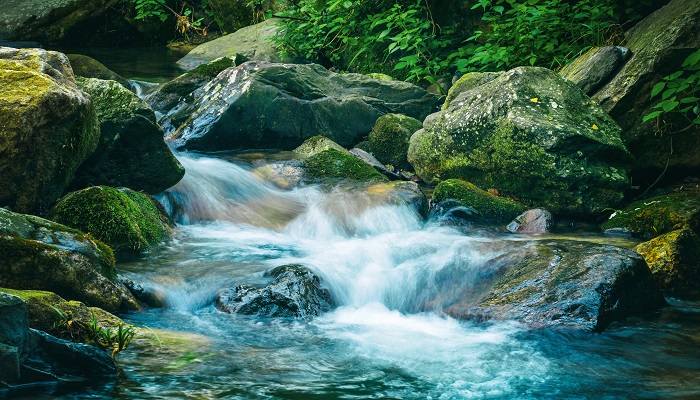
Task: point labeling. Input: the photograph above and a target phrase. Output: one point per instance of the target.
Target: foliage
(679, 92)
(185, 22)
(91, 332)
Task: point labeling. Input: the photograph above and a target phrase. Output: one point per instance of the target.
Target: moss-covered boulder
(126, 220)
(48, 128)
(659, 44)
(468, 82)
(489, 208)
(674, 259)
(88, 67)
(388, 140)
(561, 284)
(268, 105)
(331, 164)
(380, 77)
(531, 135)
(317, 144)
(657, 215)
(131, 151)
(594, 68)
(39, 254)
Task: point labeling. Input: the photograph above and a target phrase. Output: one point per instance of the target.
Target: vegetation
(489, 207)
(334, 164)
(92, 332)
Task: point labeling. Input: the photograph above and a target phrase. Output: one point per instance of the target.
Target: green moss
(674, 260)
(335, 164)
(317, 144)
(467, 82)
(88, 67)
(655, 216)
(490, 207)
(380, 77)
(389, 138)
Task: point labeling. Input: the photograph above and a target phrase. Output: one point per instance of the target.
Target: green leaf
(692, 60)
(651, 116)
(669, 105)
(667, 93)
(657, 89)
(499, 9)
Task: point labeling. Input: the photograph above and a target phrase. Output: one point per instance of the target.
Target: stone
(371, 160)
(294, 292)
(594, 68)
(674, 259)
(284, 174)
(266, 105)
(483, 206)
(535, 221)
(332, 165)
(87, 67)
(399, 193)
(13, 337)
(388, 140)
(466, 83)
(39, 254)
(317, 144)
(49, 127)
(131, 151)
(531, 135)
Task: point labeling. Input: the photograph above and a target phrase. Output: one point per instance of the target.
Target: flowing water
(382, 264)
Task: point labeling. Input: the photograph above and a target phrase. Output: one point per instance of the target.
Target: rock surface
(88, 67)
(294, 292)
(266, 105)
(533, 221)
(485, 207)
(48, 128)
(317, 144)
(531, 135)
(594, 68)
(131, 151)
(331, 165)
(674, 259)
(388, 140)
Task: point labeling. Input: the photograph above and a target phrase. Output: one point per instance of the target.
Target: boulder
(388, 140)
(332, 165)
(88, 67)
(533, 221)
(466, 83)
(131, 151)
(674, 259)
(252, 42)
(659, 44)
(39, 254)
(593, 69)
(484, 207)
(371, 160)
(49, 127)
(317, 144)
(399, 193)
(294, 292)
(128, 221)
(561, 284)
(653, 216)
(531, 135)
(266, 105)
(284, 174)
(14, 333)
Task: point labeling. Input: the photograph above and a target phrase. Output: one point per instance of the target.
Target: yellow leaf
(595, 127)
(534, 99)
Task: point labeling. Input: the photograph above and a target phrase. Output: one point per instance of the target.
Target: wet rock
(49, 127)
(674, 259)
(333, 165)
(294, 292)
(88, 67)
(369, 159)
(532, 222)
(126, 220)
(488, 208)
(131, 151)
(562, 284)
(531, 135)
(388, 140)
(39, 254)
(317, 144)
(285, 174)
(399, 193)
(266, 105)
(594, 68)
(13, 337)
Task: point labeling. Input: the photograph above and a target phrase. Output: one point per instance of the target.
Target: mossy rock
(657, 215)
(674, 259)
(490, 208)
(126, 220)
(468, 82)
(88, 67)
(317, 144)
(332, 164)
(380, 77)
(389, 138)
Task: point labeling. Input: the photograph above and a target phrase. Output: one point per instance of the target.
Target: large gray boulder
(594, 68)
(266, 105)
(531, 135)
(48, 129)
(131, 151)
(659, 44)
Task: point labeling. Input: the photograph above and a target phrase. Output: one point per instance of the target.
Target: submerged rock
(531, 135)
(674, 259)
(126, 220)
(399, 193)
(49, 127)
(484, 207)
(88, 67)
(131, 151)
(294, 292)
(284, 174)
(388, 140)
(39, 254)
(532, 222)
(562, 284)
(266, 105)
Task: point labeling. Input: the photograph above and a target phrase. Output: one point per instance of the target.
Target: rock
(531, 135)
(399, 193)
(126, 220)
(317, 144)
(131, 151)
(332, 164)
(39, 254)
(13, 337)
(284, 174)
(232, 15)
(659, 44)
(88, 67)
(594, 68)
(657, 215)
(48, 128)
(380, 77)
(388, 140)
(674, 259)
(369, 159)
(265, 105)
(294, 292)
(488, 208)
(252, 42)
(441, 87)
(562, 284)
(532, 222)
(466, 83)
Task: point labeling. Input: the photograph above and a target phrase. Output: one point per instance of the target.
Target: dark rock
(532, 222)
(388, 140)
(294, 292)
(265, 105)
(674, 259)
(88, 67)
(369, 159)
(594, 68)
(488, 208)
